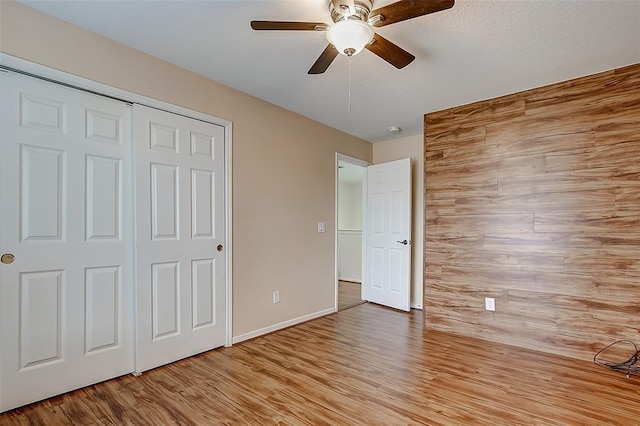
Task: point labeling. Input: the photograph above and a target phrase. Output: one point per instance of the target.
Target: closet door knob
(7, 258)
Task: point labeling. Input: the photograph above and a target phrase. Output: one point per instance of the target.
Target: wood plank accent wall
(534, 199)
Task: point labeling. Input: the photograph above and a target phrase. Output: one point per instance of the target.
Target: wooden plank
(588, 158)
(586, 180)
(537, 141)
(479, 223)
(585, 261)
(559, 242)
(484, 168)
(590, 222)
(540, 202)
(461, 188)
(436, 208)
(487, 281)
(628, 197)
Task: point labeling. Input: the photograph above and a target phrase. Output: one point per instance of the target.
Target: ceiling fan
(352, 29)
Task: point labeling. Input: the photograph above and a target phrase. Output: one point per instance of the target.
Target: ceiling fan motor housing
(362, 10)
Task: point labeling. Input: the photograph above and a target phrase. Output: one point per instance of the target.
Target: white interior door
(180, 228)
(387, 279)
(66, 300)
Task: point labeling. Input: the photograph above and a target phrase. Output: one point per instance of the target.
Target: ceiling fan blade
(407, 9)
(288, 26)
(348, 3)
(390, 52)
(325, 59)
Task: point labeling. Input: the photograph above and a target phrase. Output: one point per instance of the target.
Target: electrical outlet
(276, 296)
(490, 303)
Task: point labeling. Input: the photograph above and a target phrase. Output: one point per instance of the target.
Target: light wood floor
(349, 295)
(365, 365)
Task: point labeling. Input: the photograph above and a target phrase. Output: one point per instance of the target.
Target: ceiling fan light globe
(350, 37)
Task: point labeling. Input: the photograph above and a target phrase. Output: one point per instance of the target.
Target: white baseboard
(284, 324)
(416, 306)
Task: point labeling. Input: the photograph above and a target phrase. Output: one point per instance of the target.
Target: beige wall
(410, 147)
(283, 164)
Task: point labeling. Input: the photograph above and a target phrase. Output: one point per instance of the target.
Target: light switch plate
(321, 227)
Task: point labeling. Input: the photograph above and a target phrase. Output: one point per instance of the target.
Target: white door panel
(66, 301)
(388, 233)
(181, 274)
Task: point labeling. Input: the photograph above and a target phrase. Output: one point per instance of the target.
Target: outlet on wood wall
(534, 199)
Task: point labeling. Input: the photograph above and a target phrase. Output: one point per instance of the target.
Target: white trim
(335, 234)
(352, 160)
(228, 199)
(349, 232)
(54, 75)
(134, 211)
(365, 225)
(282, 325)
(415, 306)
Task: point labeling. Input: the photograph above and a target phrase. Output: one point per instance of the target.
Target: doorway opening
(350, 214)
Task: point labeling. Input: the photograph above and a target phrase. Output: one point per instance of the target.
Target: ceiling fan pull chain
(349, 105)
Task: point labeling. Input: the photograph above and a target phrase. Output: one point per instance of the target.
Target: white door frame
(361, 163)
(60, 77)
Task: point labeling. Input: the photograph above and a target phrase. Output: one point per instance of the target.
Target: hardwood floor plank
(365, 365)
(349, 294)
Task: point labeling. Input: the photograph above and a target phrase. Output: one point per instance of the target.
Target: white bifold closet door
(180, 235)
(66, 300)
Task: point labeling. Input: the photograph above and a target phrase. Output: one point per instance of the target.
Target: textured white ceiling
(476, 50)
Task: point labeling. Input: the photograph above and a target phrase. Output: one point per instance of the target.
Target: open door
(387, 267)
